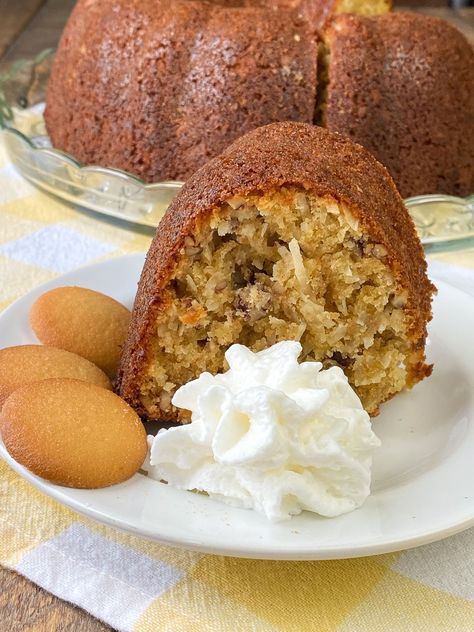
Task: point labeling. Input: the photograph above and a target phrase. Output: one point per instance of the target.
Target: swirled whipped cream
(272, 435)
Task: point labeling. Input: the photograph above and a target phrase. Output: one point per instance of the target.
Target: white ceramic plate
(423, 477)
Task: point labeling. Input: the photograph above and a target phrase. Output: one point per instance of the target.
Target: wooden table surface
(27, 27)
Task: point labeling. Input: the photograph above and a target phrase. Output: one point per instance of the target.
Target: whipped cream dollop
(272, 435)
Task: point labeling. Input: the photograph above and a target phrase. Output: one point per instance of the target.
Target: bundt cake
(158, 87)
(293, 232)
(402, 85)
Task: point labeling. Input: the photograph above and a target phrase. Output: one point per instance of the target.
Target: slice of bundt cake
(294, 232)
(402, 85)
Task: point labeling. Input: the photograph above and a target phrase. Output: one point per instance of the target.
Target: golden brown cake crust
(158, 87)
(295, 154)
(402, 85)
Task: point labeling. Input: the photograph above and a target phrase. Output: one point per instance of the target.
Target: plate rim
(297, 554)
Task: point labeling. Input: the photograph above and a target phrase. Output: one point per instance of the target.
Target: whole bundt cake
(158, 87)
(293, 232)
(402, 84)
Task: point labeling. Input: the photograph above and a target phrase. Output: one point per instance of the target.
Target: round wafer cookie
(82, 321)
(73, 433)
(29, 363)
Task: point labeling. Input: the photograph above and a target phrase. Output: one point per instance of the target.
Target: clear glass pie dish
(443, 222)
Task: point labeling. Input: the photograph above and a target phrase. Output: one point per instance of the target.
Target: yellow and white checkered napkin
(134, 585)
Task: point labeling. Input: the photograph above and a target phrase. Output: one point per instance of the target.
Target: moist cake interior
(278, 266)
